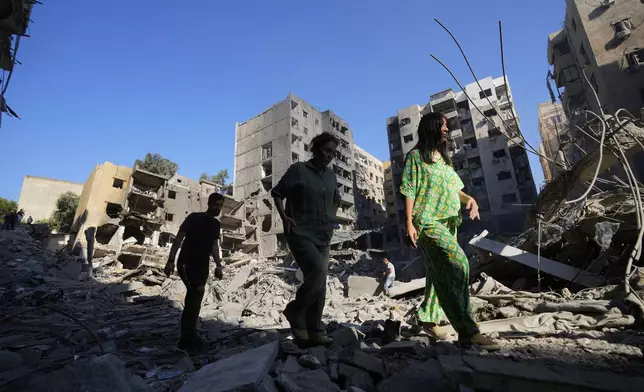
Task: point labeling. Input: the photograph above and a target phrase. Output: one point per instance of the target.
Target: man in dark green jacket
(311, 192)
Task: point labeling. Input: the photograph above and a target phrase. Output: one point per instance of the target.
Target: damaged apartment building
(267, 144)
(369, 179)
(601, 46)
(119, 203)
(494, 167)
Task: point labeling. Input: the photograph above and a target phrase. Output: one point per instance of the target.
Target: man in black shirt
(201, 233)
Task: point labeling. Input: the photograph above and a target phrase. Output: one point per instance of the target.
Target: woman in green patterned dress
(433, 197)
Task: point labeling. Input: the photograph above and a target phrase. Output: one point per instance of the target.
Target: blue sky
(113, 80)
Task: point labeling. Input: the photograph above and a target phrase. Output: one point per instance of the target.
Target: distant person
(433, 199)
(311, 192)
(19, 217)
(8, 219)
(30, 220)
(389, 275)
(201, 231)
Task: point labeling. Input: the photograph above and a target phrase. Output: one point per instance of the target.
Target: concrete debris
(546, 265)
(54, 324)
(241, 372)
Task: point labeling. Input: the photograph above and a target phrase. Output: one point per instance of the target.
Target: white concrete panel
(282, 127)
(268, 134)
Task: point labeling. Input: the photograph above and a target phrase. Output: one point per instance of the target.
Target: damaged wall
(38, 196)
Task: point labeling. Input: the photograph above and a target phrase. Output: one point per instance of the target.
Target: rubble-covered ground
(117, 331)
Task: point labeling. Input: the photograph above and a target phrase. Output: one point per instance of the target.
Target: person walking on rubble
(200, 236)
(389, 275)
(312, 199)
(433, 197)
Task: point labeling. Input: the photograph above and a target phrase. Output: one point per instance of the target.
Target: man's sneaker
(482, 341)
(298, 333)
(319, 339)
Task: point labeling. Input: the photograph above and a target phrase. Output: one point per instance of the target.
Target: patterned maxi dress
(436, 216)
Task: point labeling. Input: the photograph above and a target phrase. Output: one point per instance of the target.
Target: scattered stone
(9, 360)
(106, 373)
(309, 362)
(290, 365)
(351, 376)
(347, 337)
(244, 371)
(319, 352)
(425, 376)
(403, 347)
(231, 311)
(287, 383)
(314, 380)
(508, 312)
(364, 361)
(406, 288)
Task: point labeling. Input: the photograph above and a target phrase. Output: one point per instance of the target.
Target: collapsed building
(136, 214)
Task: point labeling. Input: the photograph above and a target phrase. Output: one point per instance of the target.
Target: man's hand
(169, 268)
(473, 208)
(288, 223)
(219, 274)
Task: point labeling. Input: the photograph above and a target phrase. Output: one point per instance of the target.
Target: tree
(157, 164)
(219, 178)
(63, 217)
(7, 206)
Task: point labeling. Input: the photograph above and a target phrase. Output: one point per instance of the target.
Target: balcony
(345, 216)
(442, 97)
(455, 134)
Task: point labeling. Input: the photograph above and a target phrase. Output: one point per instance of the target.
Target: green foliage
(157, 164)
(63, 218)
(220, 178)
(7, 206)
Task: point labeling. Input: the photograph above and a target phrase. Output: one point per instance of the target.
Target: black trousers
(195, 278)
(307, 307)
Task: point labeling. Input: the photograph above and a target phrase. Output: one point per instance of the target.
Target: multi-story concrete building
(267, 144)
(390, 197)
(494, 167)
(369, 196)
(38, 195)
(555, 143)
(603, 40)
(369, 190)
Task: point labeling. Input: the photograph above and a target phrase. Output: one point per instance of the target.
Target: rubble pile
(594, 236)
(118, 331)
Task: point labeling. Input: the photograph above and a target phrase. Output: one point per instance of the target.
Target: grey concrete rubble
(56, 325)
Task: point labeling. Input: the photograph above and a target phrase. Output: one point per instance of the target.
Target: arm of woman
(470, 204)
(408, 188)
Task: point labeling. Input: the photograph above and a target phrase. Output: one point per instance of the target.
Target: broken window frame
(172, 194)
(408, 138)
(502, 173)
(169, 217)
(509, 198)
(118, 183)
(485, 93)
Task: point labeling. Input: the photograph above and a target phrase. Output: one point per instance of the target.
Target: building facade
(38, 195)
(369, 190)
(601, 45)
(555, 143)
(267, 144)
(494, 167)
(605, 40)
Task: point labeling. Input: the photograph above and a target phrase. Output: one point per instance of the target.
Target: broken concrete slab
(375, 366)
(403, 347)
(314, 380)
(290, 365)
(9, 360)
(426, 376)
(238, 280)
(309, 361)
(347, 337)
(548, 266)
(287, 383)
(319, 353)
(231, 311)
(500, 375)
(353, 377)
(400, 289)
(124, 287)
(106, 373)
(244, 371)
(363, 285)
